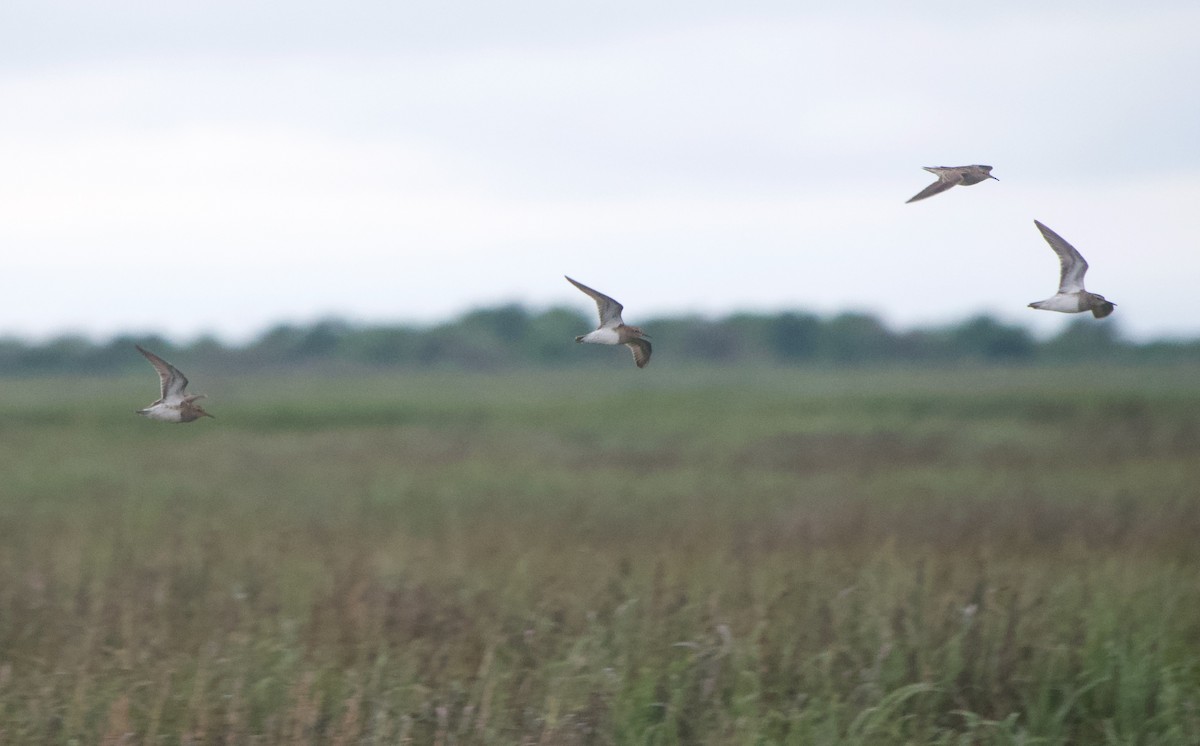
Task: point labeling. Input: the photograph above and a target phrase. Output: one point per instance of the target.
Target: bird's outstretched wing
(1074, 266)
(172, 382)
(641, 351)
(946, 179)
(610, 310)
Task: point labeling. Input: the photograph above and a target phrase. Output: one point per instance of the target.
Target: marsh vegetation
(712, 556)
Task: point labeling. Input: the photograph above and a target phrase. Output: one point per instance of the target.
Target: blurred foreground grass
(965, 556)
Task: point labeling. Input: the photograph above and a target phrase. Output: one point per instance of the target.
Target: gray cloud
(770, 149)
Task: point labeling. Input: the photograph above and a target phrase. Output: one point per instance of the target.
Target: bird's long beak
(992, 177)
(206, 414)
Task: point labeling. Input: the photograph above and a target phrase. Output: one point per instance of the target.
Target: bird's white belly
(602, 337)
(162, 412)
(1063, 303)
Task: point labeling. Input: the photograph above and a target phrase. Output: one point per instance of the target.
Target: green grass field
(617, 557)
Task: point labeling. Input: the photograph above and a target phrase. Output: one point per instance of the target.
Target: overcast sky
(194, 167)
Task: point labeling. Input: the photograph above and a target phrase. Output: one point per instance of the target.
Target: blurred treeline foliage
(512, 336)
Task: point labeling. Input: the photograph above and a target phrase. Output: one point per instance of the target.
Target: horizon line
(357, 324)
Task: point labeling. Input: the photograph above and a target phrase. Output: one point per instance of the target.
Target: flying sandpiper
(1071, 296)
(612, 330)
(173, 405)
(949, 176)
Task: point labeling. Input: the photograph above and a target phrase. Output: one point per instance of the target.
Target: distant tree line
(512, 336)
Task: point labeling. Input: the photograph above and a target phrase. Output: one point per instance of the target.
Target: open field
(971, 556)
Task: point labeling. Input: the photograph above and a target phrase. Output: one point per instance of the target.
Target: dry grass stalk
(117, 731)
(160, 699)
(304, 710)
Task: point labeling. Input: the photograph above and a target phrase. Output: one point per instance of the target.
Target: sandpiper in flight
(949, 176)
(612, 330)
(1071, 297)
(174, 405)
